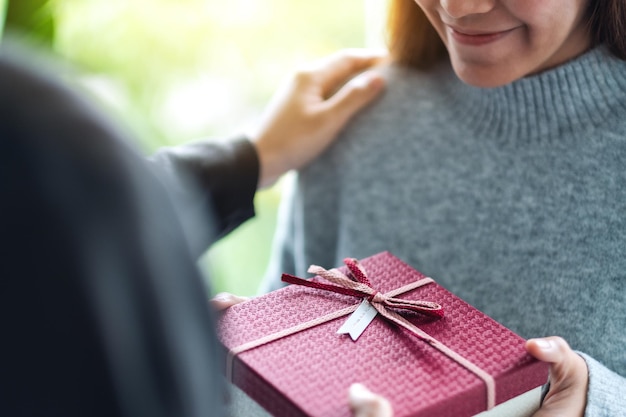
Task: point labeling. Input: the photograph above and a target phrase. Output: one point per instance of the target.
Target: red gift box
(287, 356)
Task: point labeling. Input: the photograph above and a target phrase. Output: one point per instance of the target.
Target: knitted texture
(309, 373)
(513, 198)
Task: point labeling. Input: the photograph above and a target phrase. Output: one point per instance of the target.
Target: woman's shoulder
(432, 81)
(411, 91)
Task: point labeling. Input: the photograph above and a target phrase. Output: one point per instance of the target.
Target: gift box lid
(308, 373)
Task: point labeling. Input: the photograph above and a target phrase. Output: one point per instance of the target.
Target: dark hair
(607, 25)
(414, 42)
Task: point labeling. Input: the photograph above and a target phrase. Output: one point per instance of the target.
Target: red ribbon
(361, 287)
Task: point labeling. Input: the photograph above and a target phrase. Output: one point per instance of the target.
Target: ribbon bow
(361, 287)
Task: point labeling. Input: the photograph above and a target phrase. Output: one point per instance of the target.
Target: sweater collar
(587, 92)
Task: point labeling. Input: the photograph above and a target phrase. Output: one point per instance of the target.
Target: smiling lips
(476, 39)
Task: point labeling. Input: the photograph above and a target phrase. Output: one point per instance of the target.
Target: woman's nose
(460, 8)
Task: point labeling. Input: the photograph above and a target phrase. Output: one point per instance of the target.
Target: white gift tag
(359, 320)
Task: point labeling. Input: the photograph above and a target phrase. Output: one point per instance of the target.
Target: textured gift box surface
(308, 373)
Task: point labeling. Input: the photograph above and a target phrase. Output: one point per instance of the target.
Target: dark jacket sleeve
(102, 309)
(214, 178)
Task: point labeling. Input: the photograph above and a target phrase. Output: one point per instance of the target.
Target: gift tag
(359, 320)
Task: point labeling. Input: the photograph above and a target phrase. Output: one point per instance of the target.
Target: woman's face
(495, 42)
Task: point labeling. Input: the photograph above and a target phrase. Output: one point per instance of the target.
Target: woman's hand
(569, 378)
(307, 113)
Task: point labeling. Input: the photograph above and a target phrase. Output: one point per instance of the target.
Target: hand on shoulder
(310, 109)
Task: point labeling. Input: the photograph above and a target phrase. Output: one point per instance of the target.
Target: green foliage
(3, 9)
(31, 19)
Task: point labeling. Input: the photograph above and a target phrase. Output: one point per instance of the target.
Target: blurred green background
(177, 70)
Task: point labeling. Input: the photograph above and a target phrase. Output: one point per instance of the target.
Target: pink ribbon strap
(362, 288)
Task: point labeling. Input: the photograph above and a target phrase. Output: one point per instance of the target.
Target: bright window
(176, 70)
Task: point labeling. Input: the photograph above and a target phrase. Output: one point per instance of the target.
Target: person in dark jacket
(103, 311)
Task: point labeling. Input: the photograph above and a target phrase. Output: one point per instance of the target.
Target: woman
(494, 163)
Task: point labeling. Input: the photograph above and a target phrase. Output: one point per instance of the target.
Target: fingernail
(359, 392)
(543, 344)
(376, 82)
(362, 80)
(222, 297)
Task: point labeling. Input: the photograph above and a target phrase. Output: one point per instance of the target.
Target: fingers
(556, 351)
(309, 110)
(568, 377)
(335, 69)
(355, 95)
(224, 300)
(365, 403)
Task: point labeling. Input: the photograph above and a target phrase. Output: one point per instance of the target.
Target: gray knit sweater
(514, 198)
